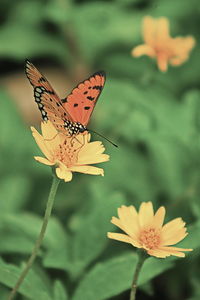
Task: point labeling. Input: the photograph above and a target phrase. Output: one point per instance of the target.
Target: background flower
(159, 44)
(145, 230)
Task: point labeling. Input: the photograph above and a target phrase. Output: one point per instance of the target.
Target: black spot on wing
(75, 104)
(90, 98)
(42, 79)
(87, 107)
(85, 93)
(97, 87)
(64, 100)
(50, 92)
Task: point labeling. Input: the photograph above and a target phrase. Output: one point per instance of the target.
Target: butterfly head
(81, 128)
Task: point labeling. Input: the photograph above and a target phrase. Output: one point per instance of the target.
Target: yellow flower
(158, 44)
(145, 230)
(69, 154)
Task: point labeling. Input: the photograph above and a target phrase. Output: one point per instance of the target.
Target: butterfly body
(74, 127)
(72, 113)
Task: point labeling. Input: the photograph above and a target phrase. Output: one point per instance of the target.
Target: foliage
(153, 117)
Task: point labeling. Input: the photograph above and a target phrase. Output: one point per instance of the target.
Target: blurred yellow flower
(69, 154)
(145, 230)
(158, 44)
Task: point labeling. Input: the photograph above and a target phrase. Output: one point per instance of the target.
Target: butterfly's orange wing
(49, 103)
(81, 102)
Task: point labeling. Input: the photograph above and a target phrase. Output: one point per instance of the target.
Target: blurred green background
(153, 117)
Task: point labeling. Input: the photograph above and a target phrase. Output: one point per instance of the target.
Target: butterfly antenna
(102, 137)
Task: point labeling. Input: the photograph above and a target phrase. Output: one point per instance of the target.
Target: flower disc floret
(150, 238)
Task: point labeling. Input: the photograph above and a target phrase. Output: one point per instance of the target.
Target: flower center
(68, 152)
(150, 238)
(165, 50)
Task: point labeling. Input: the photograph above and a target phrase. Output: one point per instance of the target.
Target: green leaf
(102, 25)
(173, 9)
(14, 241)
(139, 182)
(19, 41)
(33, 286)
(15, 140)
(112, 277)
(21, 238)
(59, 291)
(89, 239)
(29, 13)
(4, 292)
(59, 12)
(169, 163)
(14, 192)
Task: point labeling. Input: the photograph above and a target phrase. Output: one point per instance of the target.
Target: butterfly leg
(67, 135)
(74, 138)
(48, 140)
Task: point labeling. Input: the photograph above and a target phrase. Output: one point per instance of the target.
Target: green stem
(40, 238)
(141, 258)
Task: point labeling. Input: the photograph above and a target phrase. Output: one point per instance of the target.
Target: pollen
(67, 153)
(150, 238)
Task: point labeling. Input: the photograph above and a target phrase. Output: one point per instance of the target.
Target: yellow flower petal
(48, 130)
(145, 214)
(44, 161)
(51, 136)
(174, 237)
(117, 222)
(162, 30)
(162, 61)
(149, 27)
(92, 153)
(123, 238)
(159, 217)
(41, 144)
(167, 251)
(182, 45)
(84, 138)
(129, 218)
(176, 249)
(159, 253)
(87, 170)
(143, 50)
(63, 173)
(171, 228)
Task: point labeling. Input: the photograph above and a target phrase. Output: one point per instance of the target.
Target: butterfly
(71, 113)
